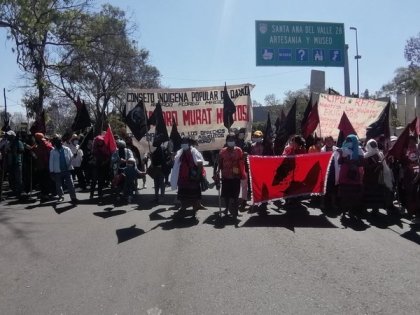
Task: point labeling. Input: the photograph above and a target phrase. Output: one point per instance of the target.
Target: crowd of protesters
(361, 175)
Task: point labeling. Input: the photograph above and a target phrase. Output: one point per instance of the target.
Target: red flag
(311, 122)
(346, 128)
(110, 141)
(397, 150)
(288, 176)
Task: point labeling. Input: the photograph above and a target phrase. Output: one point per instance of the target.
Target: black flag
(228, 109)
(156, 119)
(268, 137)
(380, 126)
(175, 137)
(39, 124)
(286, 129)
(82, 119)
(136, 121)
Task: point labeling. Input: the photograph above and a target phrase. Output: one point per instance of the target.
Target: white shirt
(55, 159)
(77, 160)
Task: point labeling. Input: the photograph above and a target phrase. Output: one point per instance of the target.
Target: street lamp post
(357, 57)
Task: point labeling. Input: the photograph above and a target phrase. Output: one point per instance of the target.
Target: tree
(255, 103)
(271, 100)
(407, 79)
(35, 27)
(412, 51)
(104, 64)
(302, 98)
(59, 116)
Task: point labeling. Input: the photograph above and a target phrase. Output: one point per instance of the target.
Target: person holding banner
(245, 147)
(411, 179)
(329, 200)
(232, 168)
(295, 146)
(350, 178)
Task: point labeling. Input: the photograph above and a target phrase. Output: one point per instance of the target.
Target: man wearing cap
(14, 152)
(60, 167)
(257, 146)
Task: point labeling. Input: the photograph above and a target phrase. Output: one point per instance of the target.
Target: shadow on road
(413, 234)
(129, 233)
(383, 221)
(289, 221)
(61, 209)
(354, 223)
(109, 214)
(156, 215)
(221, 221)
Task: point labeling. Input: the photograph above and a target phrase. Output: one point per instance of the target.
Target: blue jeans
(65, 176)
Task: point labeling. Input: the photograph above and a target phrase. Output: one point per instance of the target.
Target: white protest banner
(198, 112)
(361, 113)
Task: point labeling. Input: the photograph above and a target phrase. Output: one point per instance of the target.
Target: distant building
(259, 114)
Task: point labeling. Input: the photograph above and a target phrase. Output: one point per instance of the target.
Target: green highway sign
(287, 43)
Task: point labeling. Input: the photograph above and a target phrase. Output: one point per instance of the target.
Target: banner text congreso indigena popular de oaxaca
(198, 112)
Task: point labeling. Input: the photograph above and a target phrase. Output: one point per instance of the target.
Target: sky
(198, 43)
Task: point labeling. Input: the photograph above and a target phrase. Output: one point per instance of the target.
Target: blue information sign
(287, 43)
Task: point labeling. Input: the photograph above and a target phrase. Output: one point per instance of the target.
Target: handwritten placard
(361, 113)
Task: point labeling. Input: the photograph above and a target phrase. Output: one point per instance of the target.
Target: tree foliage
(35, 28)
(302, 98)
(107, 62)
(407, 79)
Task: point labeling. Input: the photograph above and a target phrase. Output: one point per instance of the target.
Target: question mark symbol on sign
(301, 53)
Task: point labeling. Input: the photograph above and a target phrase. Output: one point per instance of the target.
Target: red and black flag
(279, 177)
(156, 119)
(346, 128)
(39, 124)
(82, 119)
(311, 122)
(306, 113)
(136, 120)
(175, 137)
(380, 126)
(228, 109)
(398, 149)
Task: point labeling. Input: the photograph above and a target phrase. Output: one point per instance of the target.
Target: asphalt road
(137, 259)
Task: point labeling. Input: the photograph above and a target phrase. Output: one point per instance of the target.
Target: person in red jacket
(232, 168)
(41, 152)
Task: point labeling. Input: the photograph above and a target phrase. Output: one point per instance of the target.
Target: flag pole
(84, 138)
(5, 103)
(3, 166)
